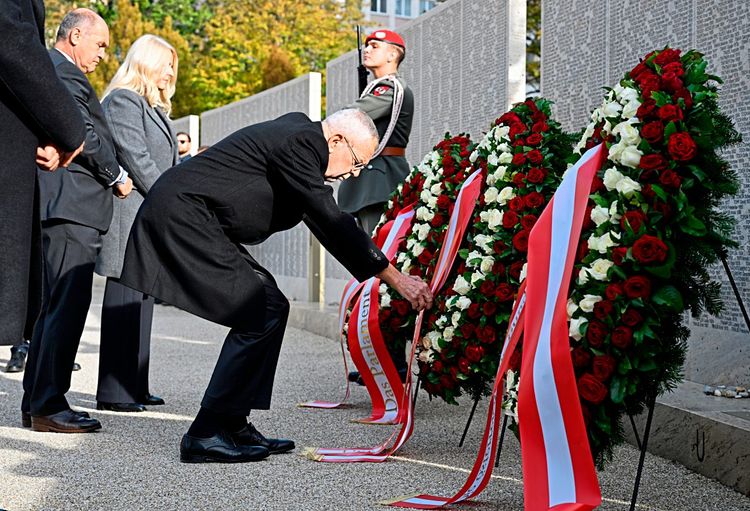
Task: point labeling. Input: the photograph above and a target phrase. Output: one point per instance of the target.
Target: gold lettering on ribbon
(368, 351)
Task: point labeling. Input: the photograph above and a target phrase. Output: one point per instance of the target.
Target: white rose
(382, 289)
(504, 148)
(599, 269)
(448, 333)
(613, 214)
(461, 286)
(477, 277)
(385, 300)
(490, 195)
(487, 263)
(612, 176)
(455, 318)
(631, 156)
(432, 203)
(601, 243)
(522, 276)
(424, 214)
(505, 157)
(583, 276)
(417, 250)
(473, 156)
(574, 330)
(425, 195)
(500, 173)
(435, 189)
(426, 356)
(505, 195)
(501, 132)
(422, 231)
(491, 180)
(599, 215)
(441, 322)
(493, 160)
(628, 133)
(473, 256)
(626, 94)
(401, 258)
(612, 109)
(483, 241)
(588, 302)
(484, 216)
(627, 186)
(495, 219)
(463, 303)
(571, 307)
(630, 109)
(406, 266)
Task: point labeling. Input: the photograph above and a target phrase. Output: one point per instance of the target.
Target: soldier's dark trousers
(243, 377)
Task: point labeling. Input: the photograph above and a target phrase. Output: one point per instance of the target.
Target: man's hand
(412, 288)
(122, 190)
(50, 157)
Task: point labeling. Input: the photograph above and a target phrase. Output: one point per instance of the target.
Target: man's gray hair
(80, 18)
(355, 124)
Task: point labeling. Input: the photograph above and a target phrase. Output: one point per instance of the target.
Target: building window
(378, 5)
(426, 5)
(403, 8)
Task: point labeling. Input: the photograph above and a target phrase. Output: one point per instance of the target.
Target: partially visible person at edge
(38, 121)
(76, 208)
(184, 146)
(390, 104)
(137, 103)
(186, 248)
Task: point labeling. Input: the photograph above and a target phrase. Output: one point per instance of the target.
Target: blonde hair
(142, 68)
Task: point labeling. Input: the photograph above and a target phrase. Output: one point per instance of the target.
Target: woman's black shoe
(219, 448)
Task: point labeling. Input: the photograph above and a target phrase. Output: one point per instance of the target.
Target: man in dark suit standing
(76, 207)
(37, 116)
(185, 247)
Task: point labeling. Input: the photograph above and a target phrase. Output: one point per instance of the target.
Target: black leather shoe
(249, 436)
(120, 407)
(17, 362)
(151, 400)
(219, 448)
(66, 421)
(355, 377)
(76, 366)
(26, 417)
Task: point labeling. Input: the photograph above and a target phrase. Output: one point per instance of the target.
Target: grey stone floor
(132, 464)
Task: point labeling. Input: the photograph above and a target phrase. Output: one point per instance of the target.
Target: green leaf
(617, 390)
(693, 226)
(648, 365)
(659, 192)
(670, 128)
(669, 297)
(624, 366)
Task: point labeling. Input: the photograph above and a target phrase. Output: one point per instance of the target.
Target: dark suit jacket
(185, 245)
(82, 194)
(34, 107)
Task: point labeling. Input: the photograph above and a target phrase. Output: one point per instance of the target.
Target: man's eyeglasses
(358, 165)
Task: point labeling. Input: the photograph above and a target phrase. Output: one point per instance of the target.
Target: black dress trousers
(70, 252)
(127, 316)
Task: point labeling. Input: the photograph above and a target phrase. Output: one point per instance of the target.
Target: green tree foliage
(533, 43)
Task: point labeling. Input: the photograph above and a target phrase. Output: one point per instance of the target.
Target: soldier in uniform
(390, 104)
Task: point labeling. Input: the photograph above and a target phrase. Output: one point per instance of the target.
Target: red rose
(581, 357)
(686, 97)
(649, 82)
(635, 218)
(670, 112)
(538, 116)
(515, 270)
(487, 288)
(652, 162)
(528, 221)
(443, 202)
(622, 336)
(613, 291)
(474, 353)
(516, 204)
(519, 159)
(437, 366)
(647, 109)
(532, 106)
(517, 128)
(499, 247)
(596, 333)
(447, 382)
(474, 312)
(498, 269)
(670, 82)
(650, 249)
(663, 208)
(591, 389)
(425, 257)
(489, 308)
(518, 142)
(518, 180)
(487, 334)
(637, 286)
(618, 255)
(603, 309)
(681, 146)
(504, 292)
(638, 70)
(536, 175)
(535, 156)
(653, 132)
(670, 179)
(383, 314)
(402, 307)
(406, 189)
(666, 56)
(674, 67)
(540, 127)
(521, 240)
(648, 192)
(534, 139)
(510, 219)
(464, 366)
(509, 118)
(467, 330)
(394, 323)
(632, 317)
(534, 200)
(603, 367)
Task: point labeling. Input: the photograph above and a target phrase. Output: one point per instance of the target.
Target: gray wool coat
(146, 146)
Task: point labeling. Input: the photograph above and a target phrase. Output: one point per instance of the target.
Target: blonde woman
(136, 103)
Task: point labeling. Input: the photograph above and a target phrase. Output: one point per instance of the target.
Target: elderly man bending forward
(186, 249)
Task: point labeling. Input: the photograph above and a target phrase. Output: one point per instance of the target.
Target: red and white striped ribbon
(558, 468)
(465, 202)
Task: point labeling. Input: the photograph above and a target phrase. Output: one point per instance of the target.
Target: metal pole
(736, 291)
(468, 422)
(635, 431)
(636, 487)
(502, 437)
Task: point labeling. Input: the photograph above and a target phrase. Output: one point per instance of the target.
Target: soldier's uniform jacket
(384, 173)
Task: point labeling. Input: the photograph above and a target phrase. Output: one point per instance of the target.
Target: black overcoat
(34, 108)
(185, 246)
